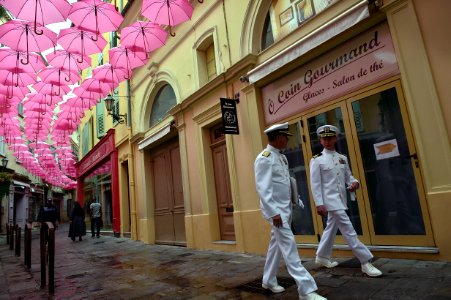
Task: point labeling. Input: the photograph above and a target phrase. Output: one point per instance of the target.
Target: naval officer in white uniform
(330, 176)
(272, 180)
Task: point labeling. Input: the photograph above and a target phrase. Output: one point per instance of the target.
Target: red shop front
(98, 181)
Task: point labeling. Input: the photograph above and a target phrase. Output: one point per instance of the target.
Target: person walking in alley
(330, 176)
(96, 218)
(272, 180)
(77, 226)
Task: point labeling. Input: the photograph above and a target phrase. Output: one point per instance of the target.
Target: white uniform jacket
(272, 180)
(329, 177)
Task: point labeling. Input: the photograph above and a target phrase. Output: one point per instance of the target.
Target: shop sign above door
(362, 61)
(229, 116)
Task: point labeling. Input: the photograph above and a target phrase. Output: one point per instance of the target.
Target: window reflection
(97, 188)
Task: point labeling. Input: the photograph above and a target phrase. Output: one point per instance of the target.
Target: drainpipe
(131, 170)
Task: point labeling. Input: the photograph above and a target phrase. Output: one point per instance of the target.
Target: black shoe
(73, 239)
(80, 239)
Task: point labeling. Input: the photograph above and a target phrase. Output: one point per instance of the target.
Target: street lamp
(109, 104)
(4, 162)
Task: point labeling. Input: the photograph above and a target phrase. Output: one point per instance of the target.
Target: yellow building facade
(376, 70)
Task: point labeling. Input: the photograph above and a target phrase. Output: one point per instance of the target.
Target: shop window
(267, 37)
(85, 139)
(100, 119)
(163, 102)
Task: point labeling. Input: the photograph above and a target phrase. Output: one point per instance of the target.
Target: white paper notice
(386, 149)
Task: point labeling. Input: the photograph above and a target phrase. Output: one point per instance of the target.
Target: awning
(154, 137)
(317, 37)
(20, 183)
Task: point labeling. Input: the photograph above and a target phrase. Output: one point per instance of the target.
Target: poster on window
(386, 149)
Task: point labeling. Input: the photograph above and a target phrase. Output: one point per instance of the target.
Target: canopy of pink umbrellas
(49, 86)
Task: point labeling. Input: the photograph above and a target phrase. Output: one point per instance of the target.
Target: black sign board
(229, 116)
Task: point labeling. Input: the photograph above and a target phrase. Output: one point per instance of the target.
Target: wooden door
(222, 184)
(168, 195)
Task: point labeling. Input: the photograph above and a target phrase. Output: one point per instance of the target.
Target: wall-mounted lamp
(4, 162)
(109, 104)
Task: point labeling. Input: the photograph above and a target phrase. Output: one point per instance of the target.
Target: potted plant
(5, 181)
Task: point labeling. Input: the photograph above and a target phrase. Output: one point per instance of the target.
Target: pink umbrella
(95, 16)
(40, 107)
(107, 73)
(96, 86)
(11, 60)
(16, 79)
(80, 41)
(40, 11)
(68, 61)
(143, 36)
(51, 89)
(8, 104)
(167, 12)
(83, 93)
(58, 76)
(121, 57)
(20, 36)
(83, 103)
(12, 91)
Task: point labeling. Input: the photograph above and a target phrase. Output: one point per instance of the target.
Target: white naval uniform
(272, 180)
(329, 177)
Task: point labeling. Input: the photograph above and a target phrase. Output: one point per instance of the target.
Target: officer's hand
(353, 186)
(277, 221)
(321, 210)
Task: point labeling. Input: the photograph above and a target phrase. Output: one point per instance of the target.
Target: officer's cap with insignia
(278, 129)
(327, 130)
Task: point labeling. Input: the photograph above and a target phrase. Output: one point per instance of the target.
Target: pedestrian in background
(272, 179)
(77, 226)
(96, 218)
(330, 177)
(48, 213)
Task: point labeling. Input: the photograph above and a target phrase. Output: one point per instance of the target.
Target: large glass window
(164, 101)
(267, 37)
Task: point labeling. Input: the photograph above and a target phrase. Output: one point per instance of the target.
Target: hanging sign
(229, 116)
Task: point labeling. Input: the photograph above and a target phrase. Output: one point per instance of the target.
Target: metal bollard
(47, 249)
(18, 239)
(11, 237)
(27, 245)
(7, 233)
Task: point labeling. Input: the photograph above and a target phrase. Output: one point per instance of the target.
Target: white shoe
(325, 262)
(371, 270)
(274, 289)
(312, 296)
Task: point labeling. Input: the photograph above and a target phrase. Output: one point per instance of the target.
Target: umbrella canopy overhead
(41, 12)
(95, 16)
(79, 41)
(167, 12)
(143, 36)
(19, 35)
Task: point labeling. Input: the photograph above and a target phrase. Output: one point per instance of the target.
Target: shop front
(97, 181)
(356, 87)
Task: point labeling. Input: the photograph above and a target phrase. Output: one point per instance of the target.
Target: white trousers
(282, 244)
(338, 219)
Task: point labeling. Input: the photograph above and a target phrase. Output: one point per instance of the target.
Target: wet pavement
(120, 268)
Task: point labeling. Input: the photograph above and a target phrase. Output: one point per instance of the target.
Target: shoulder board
(318, 155)
(266, 153)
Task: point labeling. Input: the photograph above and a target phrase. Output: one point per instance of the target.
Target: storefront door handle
(415, 157)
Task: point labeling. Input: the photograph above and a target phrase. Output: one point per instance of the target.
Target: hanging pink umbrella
(107, 73)
(13, 91)
(68, 61)
(167, 12)
(83, 103)
(11, 60)
(39, 11)
(143, 36)
(80, 41)
(88, 94)
(51, 89)
(96, 86)
(58, 76)
(121, 57)
(16, 79)
(19, 35)
(95, 16)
